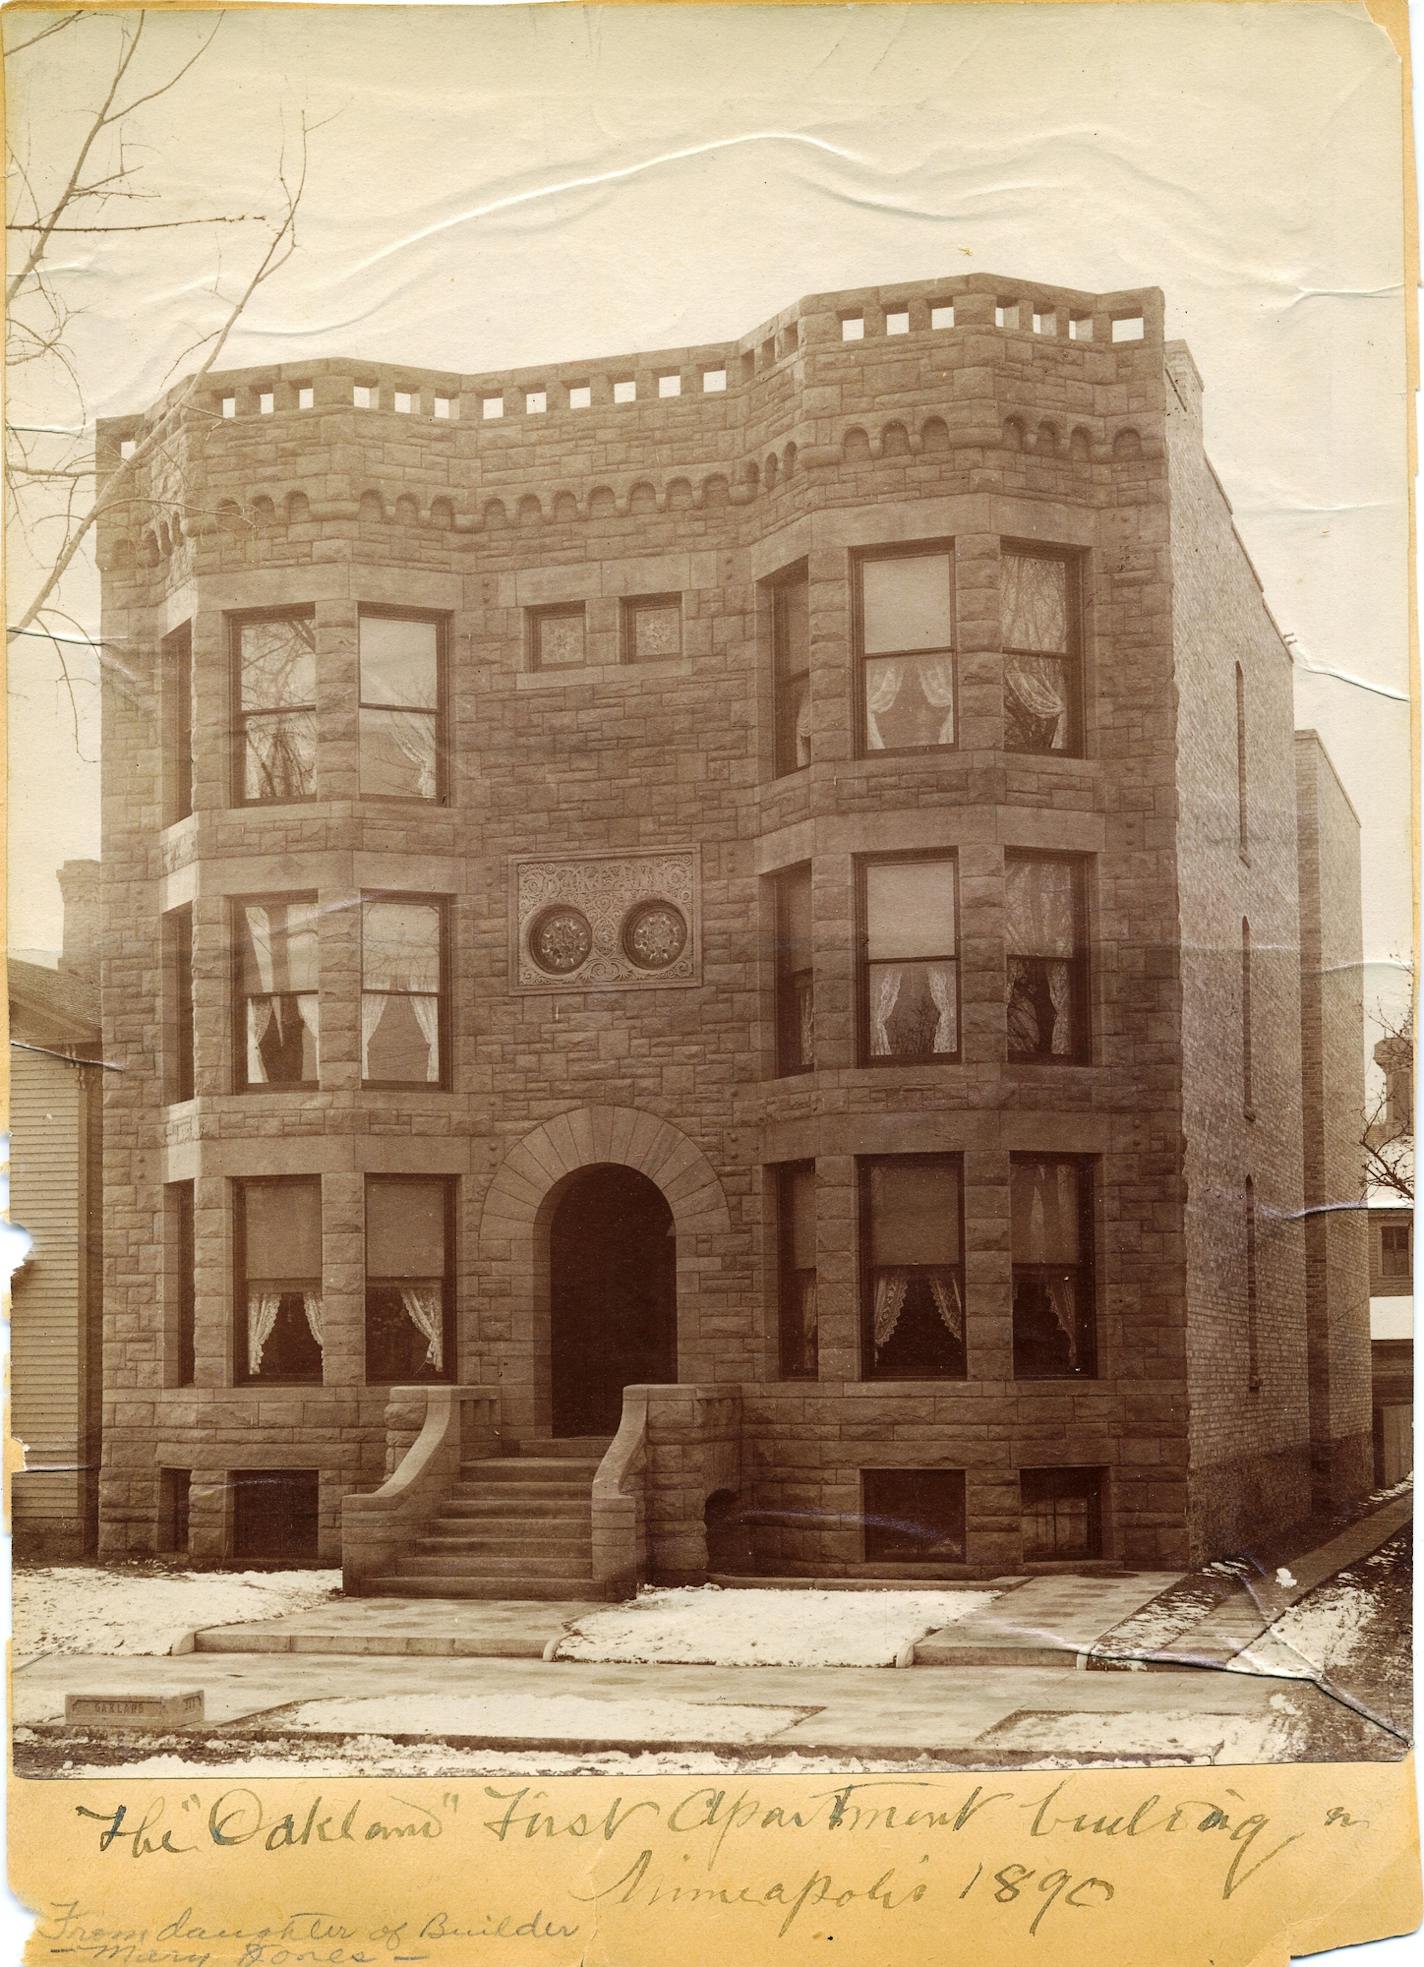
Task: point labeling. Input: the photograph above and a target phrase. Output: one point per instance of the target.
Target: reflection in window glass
(401, 965)
(277, 986)
(400, 708)
(276, 708)
(910, 989)
(1053, 1320)
(906, 651)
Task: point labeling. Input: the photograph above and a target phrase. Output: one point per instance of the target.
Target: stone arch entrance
(517, 1236)
(612, 1295)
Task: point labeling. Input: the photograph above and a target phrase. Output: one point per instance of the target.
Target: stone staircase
(517, 1525)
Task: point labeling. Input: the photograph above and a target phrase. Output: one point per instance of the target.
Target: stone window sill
(626, 674)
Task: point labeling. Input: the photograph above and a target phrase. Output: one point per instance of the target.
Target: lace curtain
(262, 1309)
(316, 1323)
(414, 733)
(882, 687)
(422, 1308)
(1038, 900)
(941, 981)
(806, 1021)
(885, 992)
(935, 677)
(265, 1017)
(937, 683)
(1062, 1302)
(427, 1016)
(891, 1287)
(372, 1007)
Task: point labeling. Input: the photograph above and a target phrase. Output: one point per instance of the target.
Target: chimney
(79, 955)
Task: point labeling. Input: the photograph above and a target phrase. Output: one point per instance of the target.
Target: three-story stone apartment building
(764, 873)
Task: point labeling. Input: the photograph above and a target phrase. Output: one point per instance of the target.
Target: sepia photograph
(710, 948)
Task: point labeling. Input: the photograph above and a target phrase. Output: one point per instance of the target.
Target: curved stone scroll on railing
(619, 1502)
(430, 1431)
(676, 1446)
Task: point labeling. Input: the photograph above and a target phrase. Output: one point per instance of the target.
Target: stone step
(534, 1491)
(480, 1564)
(520, 1509)
(579, 1447)
(457, 1585)
(516, 1469)
(511, 1542)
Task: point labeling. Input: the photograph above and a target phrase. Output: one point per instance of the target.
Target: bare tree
(55, 495)
(1388, 1138)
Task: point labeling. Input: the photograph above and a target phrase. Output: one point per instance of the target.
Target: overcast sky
(519, 185)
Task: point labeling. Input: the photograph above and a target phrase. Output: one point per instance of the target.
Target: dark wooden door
(613, 1296)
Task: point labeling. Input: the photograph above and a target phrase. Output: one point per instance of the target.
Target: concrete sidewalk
(1046, 1621)
(424, 1628)
(986, 1717)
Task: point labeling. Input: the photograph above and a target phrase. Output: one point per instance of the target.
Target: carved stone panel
(606, 922)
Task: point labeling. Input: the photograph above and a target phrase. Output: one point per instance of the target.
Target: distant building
(759, 899)
(56, 1332)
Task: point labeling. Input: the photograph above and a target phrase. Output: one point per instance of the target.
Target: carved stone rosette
(606, 922)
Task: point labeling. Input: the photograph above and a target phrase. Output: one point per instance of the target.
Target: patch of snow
(705, 1625)
(544, 1717)
(1167, 1733)
(84, 1609)
(1285, 1577)
(1314, 1638)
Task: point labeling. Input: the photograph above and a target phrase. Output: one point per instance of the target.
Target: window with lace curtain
(795, 989)
(402, 706)
(909, 973)
(1041, 637)
(904, 626)
(409, 1289)
(278, 1326)
(274, 712)
(274, 949)
(403, 991)
(796, 1239)
(912, 1268)
(1052, 1231)
(791, 669)
(1046, 973)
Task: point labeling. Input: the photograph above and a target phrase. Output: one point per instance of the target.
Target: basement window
(274, 1512)
(913, 1515)
(1062, 1513)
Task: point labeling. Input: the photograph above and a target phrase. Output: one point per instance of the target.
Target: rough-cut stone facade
(357, 487)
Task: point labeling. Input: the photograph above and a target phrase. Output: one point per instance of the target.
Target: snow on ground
(548, 1717)
(1318, 1636)
(705, 1625)
(82, 1609)
(1267, 1737)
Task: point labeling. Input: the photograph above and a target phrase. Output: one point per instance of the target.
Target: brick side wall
(1249, 1433)
(1337, 1229)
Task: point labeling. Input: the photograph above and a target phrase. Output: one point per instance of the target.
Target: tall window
(912, 1273)
(791, 665)
(278, 1329)
(409, 1286)
(905, 631)
(1253, 1309)
(402, 692)
(275, 723)
(796, 1236)
(403, 1009)
(178, 1198)
(1243, 834)
(909, 985)
(177, 719)
(1246, 1099)
(1052, 1229)
(1047, 969)
(275, 1043)
(1396, 1256)
(795, 994)
(1041, 651)
(178, 941)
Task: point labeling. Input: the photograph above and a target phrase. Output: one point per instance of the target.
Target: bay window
(409, 1292)
(403, 991)
(1046, 975)
(909, 980)
(278, 1327)
(402, 691)
(275, 1042)
(904, 620)
(275, 711)
(1052, 1234)
(1040, 616)
(912, 1274)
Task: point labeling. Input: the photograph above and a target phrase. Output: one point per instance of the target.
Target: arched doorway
(612, 1296)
